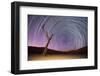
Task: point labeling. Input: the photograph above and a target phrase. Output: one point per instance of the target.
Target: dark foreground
(36, 53)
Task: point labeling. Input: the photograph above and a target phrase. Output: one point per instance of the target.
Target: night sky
(69, 32)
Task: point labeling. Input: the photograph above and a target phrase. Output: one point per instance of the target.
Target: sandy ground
(54, 57)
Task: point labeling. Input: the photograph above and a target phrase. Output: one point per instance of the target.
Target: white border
(26, 65)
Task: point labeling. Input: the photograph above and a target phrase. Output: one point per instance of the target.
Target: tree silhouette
(49, 37)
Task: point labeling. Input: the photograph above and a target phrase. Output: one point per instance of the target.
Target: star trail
(70, 32)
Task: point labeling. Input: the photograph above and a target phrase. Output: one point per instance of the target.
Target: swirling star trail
(70, 32)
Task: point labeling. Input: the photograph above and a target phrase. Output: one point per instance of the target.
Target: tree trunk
(46, 47)
(48, 38)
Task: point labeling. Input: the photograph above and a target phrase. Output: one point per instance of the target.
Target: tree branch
(48, 39)
(46, 32)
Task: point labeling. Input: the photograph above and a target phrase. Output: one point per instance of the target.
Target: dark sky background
(70, 33)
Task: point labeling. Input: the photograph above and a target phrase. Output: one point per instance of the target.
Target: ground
(54, 57)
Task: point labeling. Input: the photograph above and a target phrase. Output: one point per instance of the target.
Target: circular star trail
(69, 32)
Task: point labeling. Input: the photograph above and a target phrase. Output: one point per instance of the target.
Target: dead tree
(49, 37)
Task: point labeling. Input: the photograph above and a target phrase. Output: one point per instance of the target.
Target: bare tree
(49, 37)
